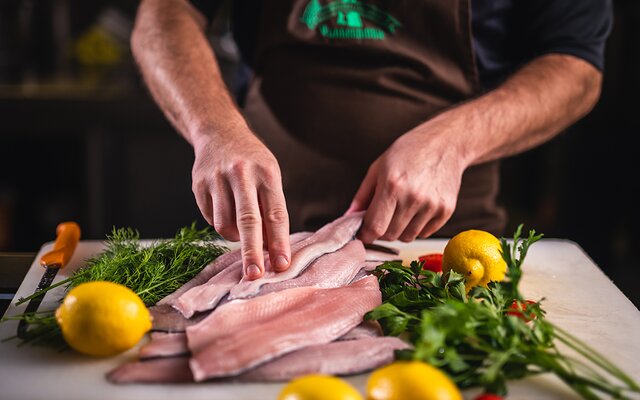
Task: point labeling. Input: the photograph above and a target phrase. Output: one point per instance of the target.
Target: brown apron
(336, 82)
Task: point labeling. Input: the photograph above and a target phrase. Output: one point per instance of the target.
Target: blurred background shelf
(81, 139)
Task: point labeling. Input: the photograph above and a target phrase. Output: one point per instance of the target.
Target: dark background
(80, 139)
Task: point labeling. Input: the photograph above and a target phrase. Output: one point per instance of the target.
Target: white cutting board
(579, 298)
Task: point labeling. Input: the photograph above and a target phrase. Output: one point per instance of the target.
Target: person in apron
(362, 105)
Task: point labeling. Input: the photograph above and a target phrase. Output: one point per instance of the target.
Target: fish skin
(206, 297)
(335, 358)
(167, 319)
(329, 314)
(328, 271)
(327, 239)
(208, 294)
(157, 370)
(164, 345)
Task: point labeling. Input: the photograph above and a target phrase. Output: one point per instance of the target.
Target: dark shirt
(506, 33)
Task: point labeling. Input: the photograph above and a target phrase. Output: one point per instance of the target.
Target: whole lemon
(102, 318)
(319, 387)
(411, 380)
(477, 255)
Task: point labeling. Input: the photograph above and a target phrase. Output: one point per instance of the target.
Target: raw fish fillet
(328, 271)
(157, 370)
(212, 269)
(256, 333)
(165, 345)
(175, 344)
(370, 266)
(367, 329)
(327, 239)
(363, 273)
(167, 319)
(207, 295)
(336, 358)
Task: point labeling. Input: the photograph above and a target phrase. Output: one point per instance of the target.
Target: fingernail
(282, 262)
(253, 271)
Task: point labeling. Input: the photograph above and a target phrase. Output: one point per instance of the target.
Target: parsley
(474, 339)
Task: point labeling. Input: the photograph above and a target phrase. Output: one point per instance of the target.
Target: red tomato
(519, 310)
(432, 262)
(488, 396)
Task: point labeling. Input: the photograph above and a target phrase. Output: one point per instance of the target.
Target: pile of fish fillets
(308, 319)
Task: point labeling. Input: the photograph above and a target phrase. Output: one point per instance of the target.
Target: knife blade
(67, 238)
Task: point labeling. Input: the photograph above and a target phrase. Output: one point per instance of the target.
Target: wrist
(204, 135)
(449, 135)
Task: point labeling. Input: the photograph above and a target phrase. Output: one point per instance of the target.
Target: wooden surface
(579, 298)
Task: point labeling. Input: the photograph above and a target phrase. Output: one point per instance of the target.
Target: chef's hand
(411, 189)
(238, 188)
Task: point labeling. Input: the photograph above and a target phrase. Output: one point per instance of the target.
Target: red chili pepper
(432, 262)
(488, 396)
(519, 309)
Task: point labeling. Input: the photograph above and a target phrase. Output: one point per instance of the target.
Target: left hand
(411, 189)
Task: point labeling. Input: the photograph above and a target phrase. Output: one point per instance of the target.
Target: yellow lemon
(411, 380)
(476, 255)
(319, 387)
(102, 318)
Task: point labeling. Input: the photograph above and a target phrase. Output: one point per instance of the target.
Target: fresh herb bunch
(478, 339)
(151, 271)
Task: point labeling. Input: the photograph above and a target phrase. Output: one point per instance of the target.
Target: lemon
(319, 387)
(102, 318)
(477, 255)
(411, 380)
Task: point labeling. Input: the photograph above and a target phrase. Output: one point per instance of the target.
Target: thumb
(364, 194)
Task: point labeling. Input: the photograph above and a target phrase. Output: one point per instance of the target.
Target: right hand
(238, 188)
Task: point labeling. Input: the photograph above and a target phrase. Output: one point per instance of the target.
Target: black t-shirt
(506, 33)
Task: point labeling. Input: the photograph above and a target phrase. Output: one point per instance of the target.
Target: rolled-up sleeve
(579, 28)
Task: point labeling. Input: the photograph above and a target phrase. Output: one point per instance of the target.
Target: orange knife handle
(67, 238)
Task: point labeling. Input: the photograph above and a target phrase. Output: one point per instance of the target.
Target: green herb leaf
(152, 271)
(473, 337)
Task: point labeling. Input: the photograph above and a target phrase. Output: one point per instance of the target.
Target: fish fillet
(212, 269)
(327, 239)
(306, 316)
(175, 344)
(167, 319)
(335, 358)
(157, 370)
(207, 295)
(217, 265)
(165, 345)
(328, 271)
(367, 329)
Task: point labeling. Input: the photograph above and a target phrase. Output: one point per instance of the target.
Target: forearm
(534, 105)
(180, 69)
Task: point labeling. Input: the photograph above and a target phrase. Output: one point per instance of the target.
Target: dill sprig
(151, 270)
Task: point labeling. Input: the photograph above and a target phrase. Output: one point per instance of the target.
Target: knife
(67, 238)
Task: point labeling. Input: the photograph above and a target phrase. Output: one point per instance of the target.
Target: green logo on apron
(349, 16)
